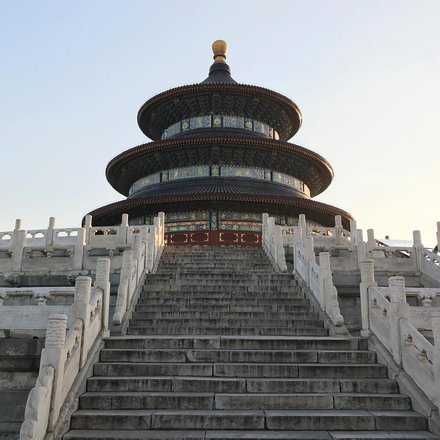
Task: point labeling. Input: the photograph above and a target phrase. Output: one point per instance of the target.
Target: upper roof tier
(219, 94)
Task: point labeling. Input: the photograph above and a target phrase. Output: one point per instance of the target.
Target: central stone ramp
(220, 346)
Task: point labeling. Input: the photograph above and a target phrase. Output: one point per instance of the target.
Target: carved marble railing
(26, 310)
(64, 356)
(323, 236)
(317, 276)
(66, 249)
(136, 262)
(390, 321)
(273, 243)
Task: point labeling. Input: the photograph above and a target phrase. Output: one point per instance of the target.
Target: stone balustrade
(64, 354)
(316, 276)
(66, 249)
(25, 311)
(273, 243)
(323, 236)
(388, 317)
(142, 258)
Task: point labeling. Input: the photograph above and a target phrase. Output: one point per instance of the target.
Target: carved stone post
(435, 319)
(17, 251)
(361, 247)
(123, 229)
(303, 225)
(161, 216)
(309, 255)
(273, 249)
(338, 228)
(49, 239)
(264, 220)
(371, 241)
(54, 355)
(281, 254)
(87, 227)
(81, 310)
(17, 227)
(399, 310)
(325, 272)
(79, 249)
(103, 282)
(353, 228)
(367, 280)
(418, 246)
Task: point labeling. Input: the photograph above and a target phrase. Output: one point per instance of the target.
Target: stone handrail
(63, 249)
(323, 236)
(273, 243)
(390, 322)
(142, 259)
(317, 276)
(429, 264)
(65, 355)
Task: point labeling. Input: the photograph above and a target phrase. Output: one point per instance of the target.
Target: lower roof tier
(318, 212)
(283, 157)
(218, 185)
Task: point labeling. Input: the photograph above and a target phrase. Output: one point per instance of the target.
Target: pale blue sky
(365, 74)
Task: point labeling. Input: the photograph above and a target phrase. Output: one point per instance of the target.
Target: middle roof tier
(283, 157)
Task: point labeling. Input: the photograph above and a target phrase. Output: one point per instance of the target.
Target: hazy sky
(365, 74)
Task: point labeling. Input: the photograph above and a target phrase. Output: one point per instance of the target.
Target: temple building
(219, 158)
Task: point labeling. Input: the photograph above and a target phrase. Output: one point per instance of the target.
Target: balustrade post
(81, 310)
(371, 241)
(281, 254)
(123, 229)
(264, 220)
(79, 249)
(399, 310)
(353, 229)
(102, 281)
(87, 227)
(325, 272)
(161, 216)
(361, 247)
(309, 255)
(17, 227)
(50, 232)
(338, 229)
(418, 246)
(367, 280)
(435, 319)
(302, 223)
(17, 251)
(54, 354)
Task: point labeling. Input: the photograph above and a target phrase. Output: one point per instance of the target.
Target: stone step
(12, 405)
(10, 430)
(245, 331)
(153, 307)
(17, 380)
(242, 401)
(206, 314)
(240, 385)
(206, 301)
(311, 323)
(238, 370)
(237, 356)
(249, 435)
(222, 295)
(236, 342)
(297, 420)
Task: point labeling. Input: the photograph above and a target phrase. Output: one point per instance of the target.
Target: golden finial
(220, 47)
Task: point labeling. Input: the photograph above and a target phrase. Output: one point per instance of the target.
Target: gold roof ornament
(220, 48)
